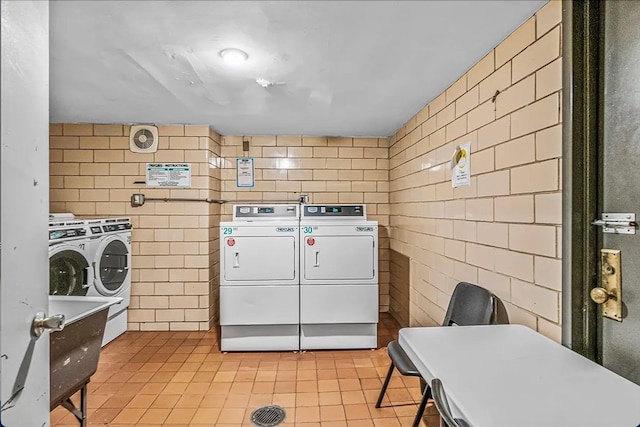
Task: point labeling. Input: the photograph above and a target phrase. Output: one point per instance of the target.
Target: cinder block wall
(174, 244)
(399, 287)
(329, 170)
(503, 231)
(215, 184)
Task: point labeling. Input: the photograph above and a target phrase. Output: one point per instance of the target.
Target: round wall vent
(143, 139)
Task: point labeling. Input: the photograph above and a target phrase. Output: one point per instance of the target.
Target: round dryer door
(68, 272)
(113, 266)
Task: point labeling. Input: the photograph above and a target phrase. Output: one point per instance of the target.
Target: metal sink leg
(80, 414)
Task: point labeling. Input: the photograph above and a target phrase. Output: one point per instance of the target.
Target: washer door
(69, 271)
(112, 269)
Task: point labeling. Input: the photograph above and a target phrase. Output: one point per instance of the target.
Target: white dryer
(338, 277)
(259, 281)
(70, 267)
(110, 256)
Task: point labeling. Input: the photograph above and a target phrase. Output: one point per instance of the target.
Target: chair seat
(400, 359)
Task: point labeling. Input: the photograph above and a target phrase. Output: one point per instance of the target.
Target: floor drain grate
(268, 416)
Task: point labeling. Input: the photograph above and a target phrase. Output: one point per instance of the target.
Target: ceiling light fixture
(233, 56)
(263, 82)
(266, 83)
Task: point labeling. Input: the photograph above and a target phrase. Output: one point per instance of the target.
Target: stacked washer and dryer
(92, 258)
(291, 280)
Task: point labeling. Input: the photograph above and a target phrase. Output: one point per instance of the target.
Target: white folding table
(510, 375)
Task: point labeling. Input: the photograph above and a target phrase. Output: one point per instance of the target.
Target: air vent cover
(143, 139)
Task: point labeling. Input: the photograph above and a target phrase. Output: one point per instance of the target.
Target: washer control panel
(66, 233)
(109, 225)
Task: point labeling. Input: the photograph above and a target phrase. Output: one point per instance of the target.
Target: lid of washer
(63, 219)
(66, 216)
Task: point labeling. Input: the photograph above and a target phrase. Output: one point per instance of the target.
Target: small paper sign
(244, 172)
(461, 166)
(176, 175)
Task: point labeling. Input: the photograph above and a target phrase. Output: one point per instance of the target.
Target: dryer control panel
(332, 211)
(264, 212)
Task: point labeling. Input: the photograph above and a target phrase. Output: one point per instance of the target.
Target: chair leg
(423, 404)
(384, 386)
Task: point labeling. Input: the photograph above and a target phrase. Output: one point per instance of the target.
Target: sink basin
(75, 350)
(76, 308)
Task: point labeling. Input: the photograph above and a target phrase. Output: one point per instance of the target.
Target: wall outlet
(137, 200)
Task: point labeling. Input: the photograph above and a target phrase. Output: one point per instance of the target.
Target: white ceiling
(349, 68)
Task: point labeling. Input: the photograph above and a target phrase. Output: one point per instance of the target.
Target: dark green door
(620, 166)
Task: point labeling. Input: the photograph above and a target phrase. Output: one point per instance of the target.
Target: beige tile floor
(179, 379)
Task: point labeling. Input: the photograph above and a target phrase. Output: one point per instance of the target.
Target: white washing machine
(259, 281)
(338, 277)
(70, 267)
(110, 256)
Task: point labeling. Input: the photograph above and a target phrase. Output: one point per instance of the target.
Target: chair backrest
(470, 305)
(440, 399)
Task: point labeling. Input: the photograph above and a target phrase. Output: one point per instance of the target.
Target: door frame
(581, 172)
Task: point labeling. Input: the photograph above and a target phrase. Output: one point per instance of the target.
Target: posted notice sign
(461, 165)
(244, 171)
(176, 175)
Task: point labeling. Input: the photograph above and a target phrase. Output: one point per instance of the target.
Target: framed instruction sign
(244, 172)
(176, 175)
